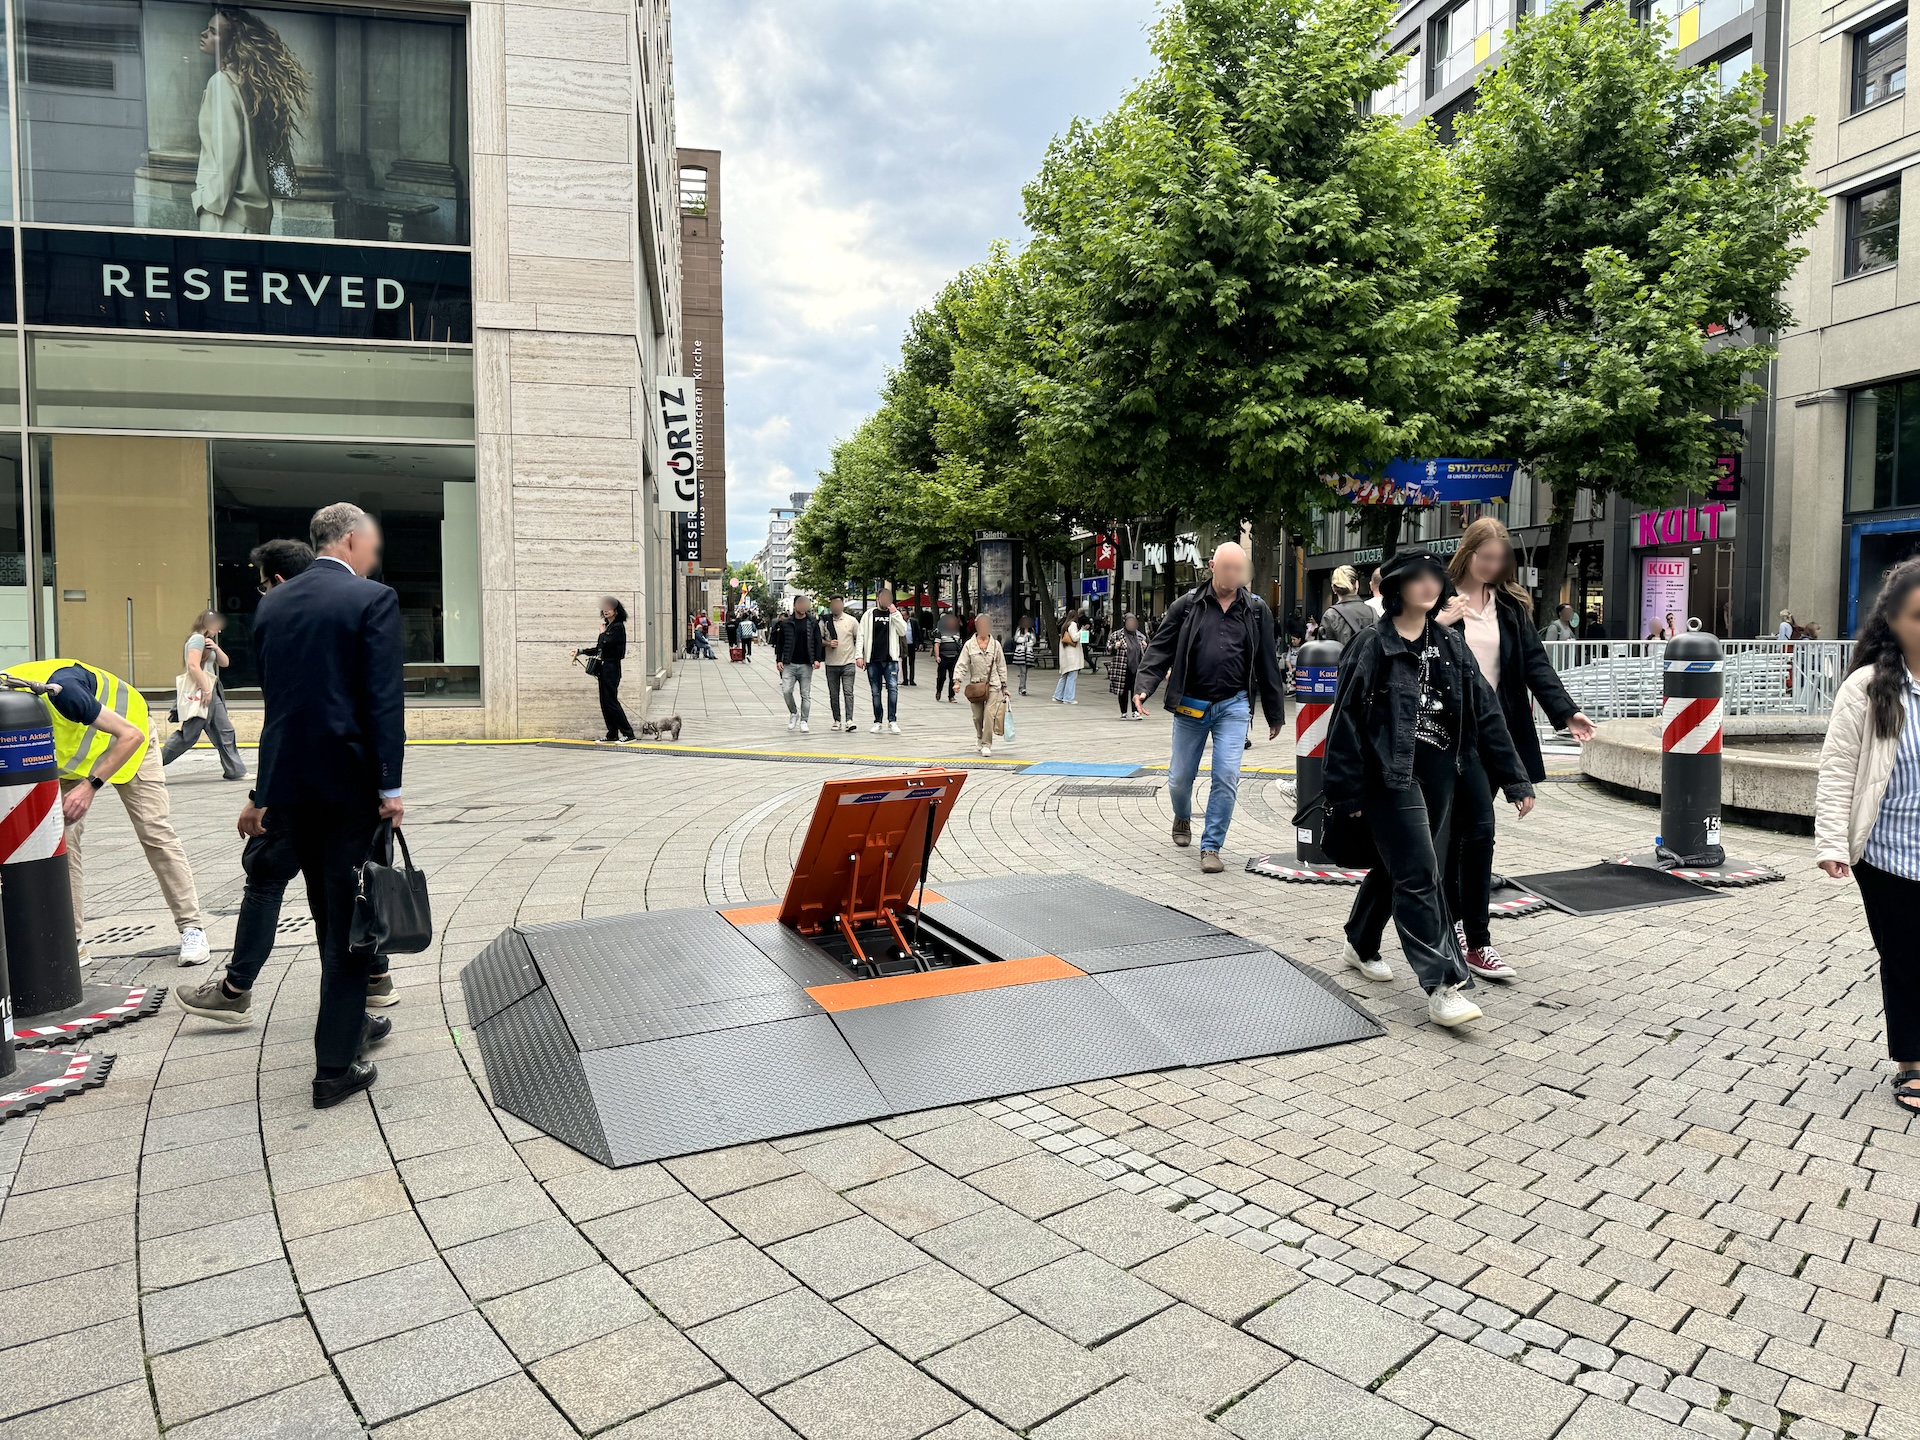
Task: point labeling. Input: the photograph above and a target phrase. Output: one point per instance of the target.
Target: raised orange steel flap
(858, 994)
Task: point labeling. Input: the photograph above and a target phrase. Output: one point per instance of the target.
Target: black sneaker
(211, 1001)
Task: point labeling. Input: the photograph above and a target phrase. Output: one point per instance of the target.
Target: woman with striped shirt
(1867, 807)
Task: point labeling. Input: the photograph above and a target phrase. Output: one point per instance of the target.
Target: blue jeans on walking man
(1226, 721)
(885, 678)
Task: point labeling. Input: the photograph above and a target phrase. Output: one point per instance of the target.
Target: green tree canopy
(1642, 230)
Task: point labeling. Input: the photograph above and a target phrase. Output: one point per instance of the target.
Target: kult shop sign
(224, 285)
(1685, 525)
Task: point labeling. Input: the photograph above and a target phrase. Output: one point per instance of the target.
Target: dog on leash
(667, 729)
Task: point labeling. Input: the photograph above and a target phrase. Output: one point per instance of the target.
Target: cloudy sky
(871, 149)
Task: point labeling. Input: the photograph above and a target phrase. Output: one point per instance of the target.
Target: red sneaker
(1487, 964)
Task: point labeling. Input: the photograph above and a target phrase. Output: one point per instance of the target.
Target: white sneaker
(1447, 1006)
(86, 954)
(892, 728)
(803, 728)
(1374, 969)
(986, 749)
(876, 727)
(793, 722)
(194, 949)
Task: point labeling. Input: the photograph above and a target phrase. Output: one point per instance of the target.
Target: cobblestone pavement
(1660, 1189)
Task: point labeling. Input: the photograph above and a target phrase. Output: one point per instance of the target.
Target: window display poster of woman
(249, 112)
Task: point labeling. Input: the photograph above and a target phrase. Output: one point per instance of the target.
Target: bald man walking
(1215, 649)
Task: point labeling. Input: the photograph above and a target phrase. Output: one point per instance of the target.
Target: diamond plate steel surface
(1233, 1007)
(994, 886)
(950, 1048)
(969, 926)
(1162, 952)
(1071, 914)
(534, 1072)
(499, 975)
(803, 964)
(700, 1092)
(619, 981)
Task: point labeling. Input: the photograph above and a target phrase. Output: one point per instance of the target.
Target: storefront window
(16, 628)
(314, 123)
(145, 531)
(251, 388)
(1883, 446)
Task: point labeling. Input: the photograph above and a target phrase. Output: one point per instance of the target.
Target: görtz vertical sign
(676, 431)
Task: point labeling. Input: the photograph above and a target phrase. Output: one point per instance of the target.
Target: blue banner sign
(1315, 682)
(24, 751)
(1094, 585)
(1431, 482)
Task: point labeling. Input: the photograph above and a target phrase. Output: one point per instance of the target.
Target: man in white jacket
(883, 637)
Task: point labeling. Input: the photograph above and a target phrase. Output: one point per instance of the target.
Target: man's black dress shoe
(359, 1076)
(377, 1028)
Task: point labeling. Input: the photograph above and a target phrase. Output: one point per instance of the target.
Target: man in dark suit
(330, 648)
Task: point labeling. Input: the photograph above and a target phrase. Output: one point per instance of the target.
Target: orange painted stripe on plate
(751, 914)
(858, 994)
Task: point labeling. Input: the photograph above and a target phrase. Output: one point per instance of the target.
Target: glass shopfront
(237, 290)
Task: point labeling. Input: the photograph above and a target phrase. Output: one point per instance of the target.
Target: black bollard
(43, 966)
(1315, 683)
(1692, 719)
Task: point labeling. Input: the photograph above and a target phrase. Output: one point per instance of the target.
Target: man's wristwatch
(95, 781)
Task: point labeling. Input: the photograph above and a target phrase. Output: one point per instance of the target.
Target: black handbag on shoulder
(391, 915)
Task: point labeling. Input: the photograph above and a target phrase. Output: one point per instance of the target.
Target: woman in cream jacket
(1867, 807)
(982, 667)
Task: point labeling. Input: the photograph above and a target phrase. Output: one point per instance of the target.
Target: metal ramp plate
(796, 957)
(701, 1092)
(533, 1069)
(948, 1048)
(969, 926)
(1071, 914)
(499, 975)
(1232, 1007)
(1162, 952)
(633, 978)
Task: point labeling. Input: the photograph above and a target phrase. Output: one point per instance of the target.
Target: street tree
(1256, 282)
(1642, 229)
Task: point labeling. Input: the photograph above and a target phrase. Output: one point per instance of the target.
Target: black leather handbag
(1346, 839)
(391, 915)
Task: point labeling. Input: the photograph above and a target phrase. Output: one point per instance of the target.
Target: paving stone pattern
(1660, 1190)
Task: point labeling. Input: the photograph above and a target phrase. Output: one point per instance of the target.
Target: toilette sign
(227, 285)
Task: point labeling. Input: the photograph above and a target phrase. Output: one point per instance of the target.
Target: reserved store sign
(237, 285)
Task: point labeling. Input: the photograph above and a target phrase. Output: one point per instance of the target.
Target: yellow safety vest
(77, 748)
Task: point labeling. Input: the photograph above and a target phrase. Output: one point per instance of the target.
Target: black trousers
(943, 678)
(270, 863)
(1470, 851)
(906, 664)
(330, 842)
(1126, 693)
(1408, 830)
(618, 726)
(1891, 902)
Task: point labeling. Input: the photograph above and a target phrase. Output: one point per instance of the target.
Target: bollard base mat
(101, 1007)
(1728, 875)
(42, 1076)
(1304, 873)
(1507, 902)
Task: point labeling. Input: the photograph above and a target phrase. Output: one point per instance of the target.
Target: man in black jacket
(798, 649)
(330, 647)
(1215, 649)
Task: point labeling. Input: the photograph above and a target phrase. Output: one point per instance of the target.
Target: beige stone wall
(1852, 332)
(575, 299)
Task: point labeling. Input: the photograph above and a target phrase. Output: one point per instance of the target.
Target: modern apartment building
(774, 559)
(1847, 413)
(1449, 45)
(703, 543)
(421, 257)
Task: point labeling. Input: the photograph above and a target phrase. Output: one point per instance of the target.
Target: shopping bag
(1006, 732)
(391, 915)
(187, 703)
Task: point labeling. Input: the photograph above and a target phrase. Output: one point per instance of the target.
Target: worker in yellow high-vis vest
(102, 736)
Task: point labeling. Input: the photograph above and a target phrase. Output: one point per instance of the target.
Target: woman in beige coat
(981, 675)
(1867, 807)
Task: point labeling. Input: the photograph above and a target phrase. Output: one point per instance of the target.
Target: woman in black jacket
(1411, 706)
(1494, 614)
(611, 648)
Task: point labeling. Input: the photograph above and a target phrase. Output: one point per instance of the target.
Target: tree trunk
(1266, 540)
(1173, 545)
(1553, 574)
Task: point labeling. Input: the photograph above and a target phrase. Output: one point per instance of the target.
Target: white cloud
(870, 148)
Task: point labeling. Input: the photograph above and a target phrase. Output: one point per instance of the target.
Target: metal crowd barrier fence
(1621, 679)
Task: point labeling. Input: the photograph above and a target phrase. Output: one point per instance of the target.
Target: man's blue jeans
(885, 678)
(1226, 721)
